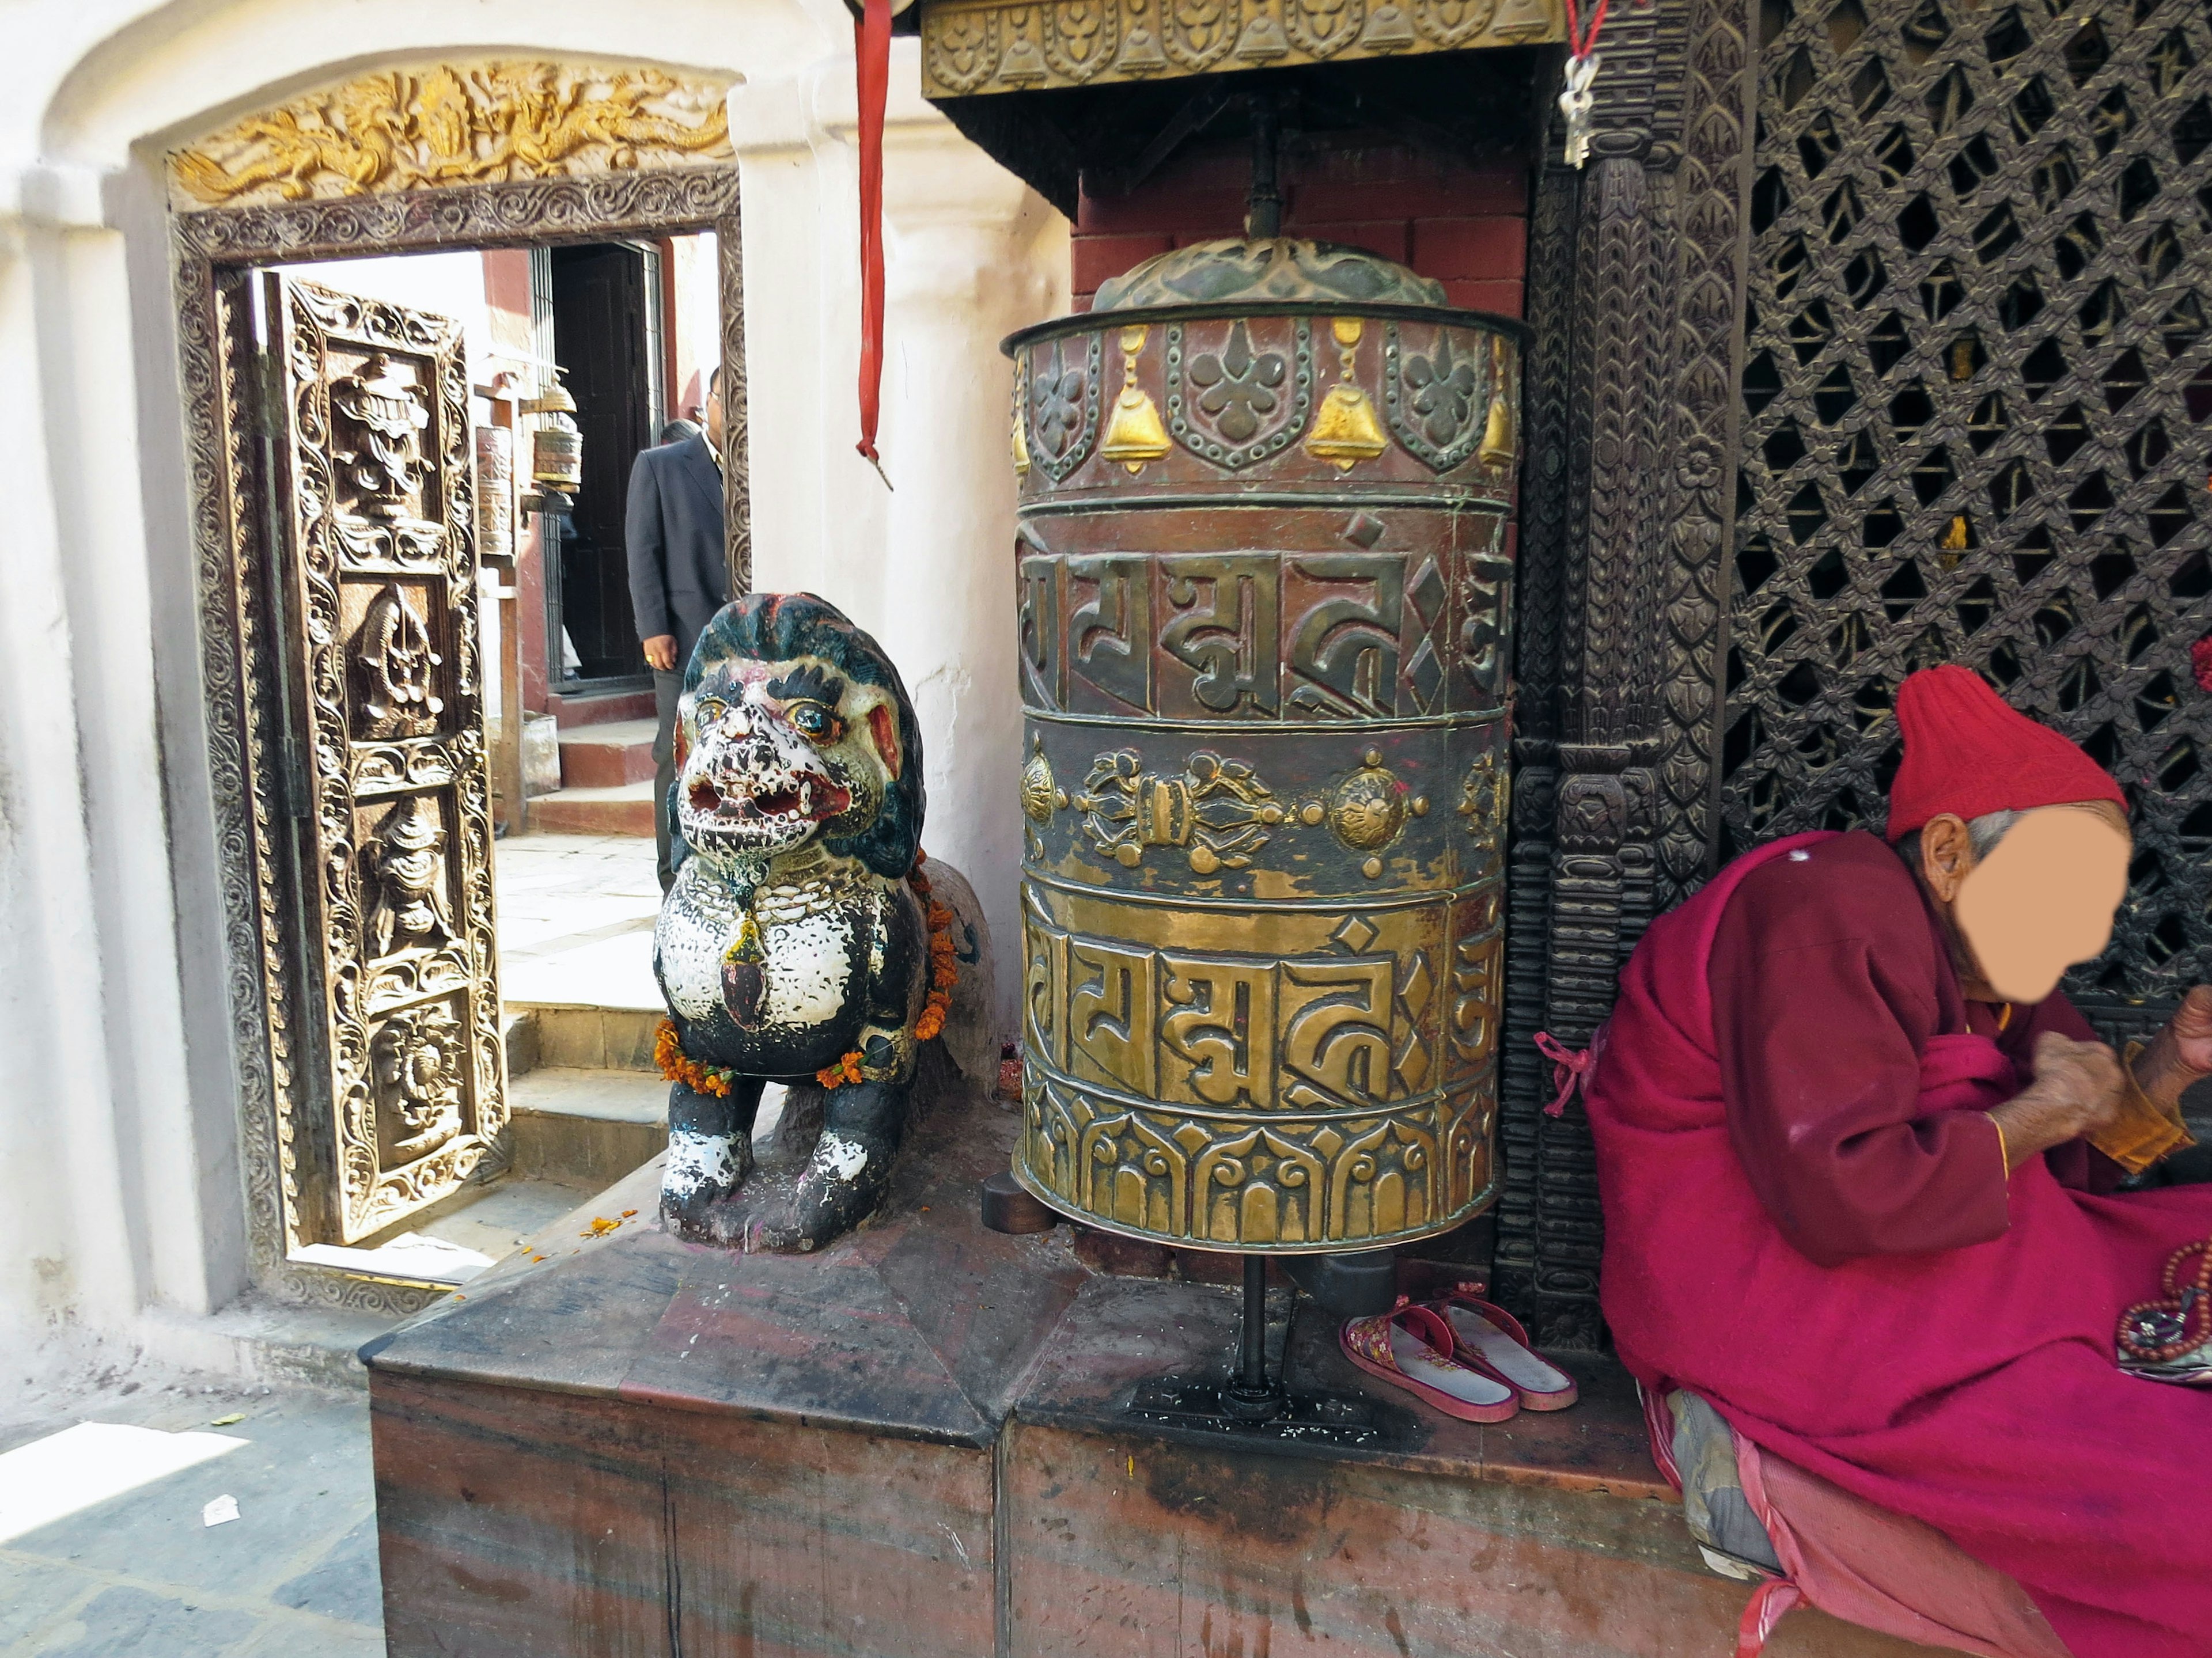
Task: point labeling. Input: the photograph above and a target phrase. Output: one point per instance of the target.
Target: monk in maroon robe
(1850, 1195)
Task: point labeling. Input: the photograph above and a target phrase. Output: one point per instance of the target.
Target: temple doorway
(426, 425)
(612, 344)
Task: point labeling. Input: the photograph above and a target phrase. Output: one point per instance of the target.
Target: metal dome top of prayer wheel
(1265, 590)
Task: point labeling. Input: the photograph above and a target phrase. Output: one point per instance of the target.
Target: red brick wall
(1465, 224)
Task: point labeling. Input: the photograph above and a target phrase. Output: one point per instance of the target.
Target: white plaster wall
(119, 1134)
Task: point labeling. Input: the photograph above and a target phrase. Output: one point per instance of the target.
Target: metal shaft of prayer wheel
(1265, 591)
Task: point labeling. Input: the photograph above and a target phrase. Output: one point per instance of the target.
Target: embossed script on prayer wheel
(1265, 589)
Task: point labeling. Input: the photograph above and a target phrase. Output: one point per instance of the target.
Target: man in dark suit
(679, 577)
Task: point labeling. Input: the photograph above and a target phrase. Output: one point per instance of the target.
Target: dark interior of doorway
(607, 327)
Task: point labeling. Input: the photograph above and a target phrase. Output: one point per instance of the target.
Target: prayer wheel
(1265, 585)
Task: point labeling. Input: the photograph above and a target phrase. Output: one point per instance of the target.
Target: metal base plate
(1203, 1405)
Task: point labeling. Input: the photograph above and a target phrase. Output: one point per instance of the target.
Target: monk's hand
(2181, 1054)
(2076, 1091)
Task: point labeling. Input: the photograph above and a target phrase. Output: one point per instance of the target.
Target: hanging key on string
(1578, 102)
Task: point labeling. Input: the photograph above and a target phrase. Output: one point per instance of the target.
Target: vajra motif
(1218, 812)
(1485, 797)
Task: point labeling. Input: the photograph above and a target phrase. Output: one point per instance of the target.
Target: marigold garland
(679, 1067)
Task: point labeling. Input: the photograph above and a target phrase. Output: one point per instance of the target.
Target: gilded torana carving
(453, 124)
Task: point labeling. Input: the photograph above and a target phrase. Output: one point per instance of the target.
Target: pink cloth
(1973, 1388)
(1884, 1571)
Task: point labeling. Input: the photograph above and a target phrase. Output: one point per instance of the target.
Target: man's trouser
(666, 687)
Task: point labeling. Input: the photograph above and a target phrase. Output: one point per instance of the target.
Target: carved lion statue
(799, 943)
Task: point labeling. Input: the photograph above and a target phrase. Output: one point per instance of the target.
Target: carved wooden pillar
(1636, 295)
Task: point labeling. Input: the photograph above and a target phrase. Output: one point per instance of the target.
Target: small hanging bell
(1134, 435)
(1345, 430)
(1499, 441)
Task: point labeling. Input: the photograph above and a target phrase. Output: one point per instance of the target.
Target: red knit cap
(1966, 752)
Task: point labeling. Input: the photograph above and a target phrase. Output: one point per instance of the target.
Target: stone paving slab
(139, 1576)
(575, 920)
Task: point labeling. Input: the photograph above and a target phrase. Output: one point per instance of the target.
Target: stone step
(626, 809)
(607, 757)
(618, 1039)
(592, 1126)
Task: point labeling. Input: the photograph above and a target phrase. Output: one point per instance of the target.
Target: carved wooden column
(1636, 292)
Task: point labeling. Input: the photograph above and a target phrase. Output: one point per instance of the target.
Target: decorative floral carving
(1237, 386)
(415, 1066)
(403, 130)
(1438, 398)
(987, 46)
(1257, 400)
(1444, 395)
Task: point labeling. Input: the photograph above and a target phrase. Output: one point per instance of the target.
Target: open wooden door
(387, 783)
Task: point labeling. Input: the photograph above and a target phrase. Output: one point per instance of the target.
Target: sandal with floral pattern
(1411, 1347)
(1488, 1337)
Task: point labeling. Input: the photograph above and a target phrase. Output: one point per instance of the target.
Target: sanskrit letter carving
(1344, 648)
(1224, 627)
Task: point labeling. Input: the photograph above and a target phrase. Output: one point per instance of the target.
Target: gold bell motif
(1019, 442)
(1499, 441)
(1345, 430)
(1501, 435)
(1134, 435)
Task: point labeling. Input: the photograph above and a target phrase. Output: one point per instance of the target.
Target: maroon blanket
(1972, 1387)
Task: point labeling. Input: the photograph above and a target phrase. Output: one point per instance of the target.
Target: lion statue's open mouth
(752, 785)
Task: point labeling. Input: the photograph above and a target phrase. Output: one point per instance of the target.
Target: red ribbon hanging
(871, 47)
(1580, 44)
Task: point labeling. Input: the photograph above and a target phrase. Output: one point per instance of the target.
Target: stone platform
(914, 1446)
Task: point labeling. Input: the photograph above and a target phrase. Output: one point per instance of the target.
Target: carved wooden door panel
(389, 783)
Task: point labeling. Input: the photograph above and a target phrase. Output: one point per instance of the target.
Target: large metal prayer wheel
(1265, 589)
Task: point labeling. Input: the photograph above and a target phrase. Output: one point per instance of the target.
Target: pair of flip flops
(1465, 1356)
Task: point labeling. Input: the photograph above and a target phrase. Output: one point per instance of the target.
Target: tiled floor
(139, 1574)
(575, 920)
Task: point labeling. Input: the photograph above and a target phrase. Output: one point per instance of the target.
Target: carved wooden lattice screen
(1977, 380)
